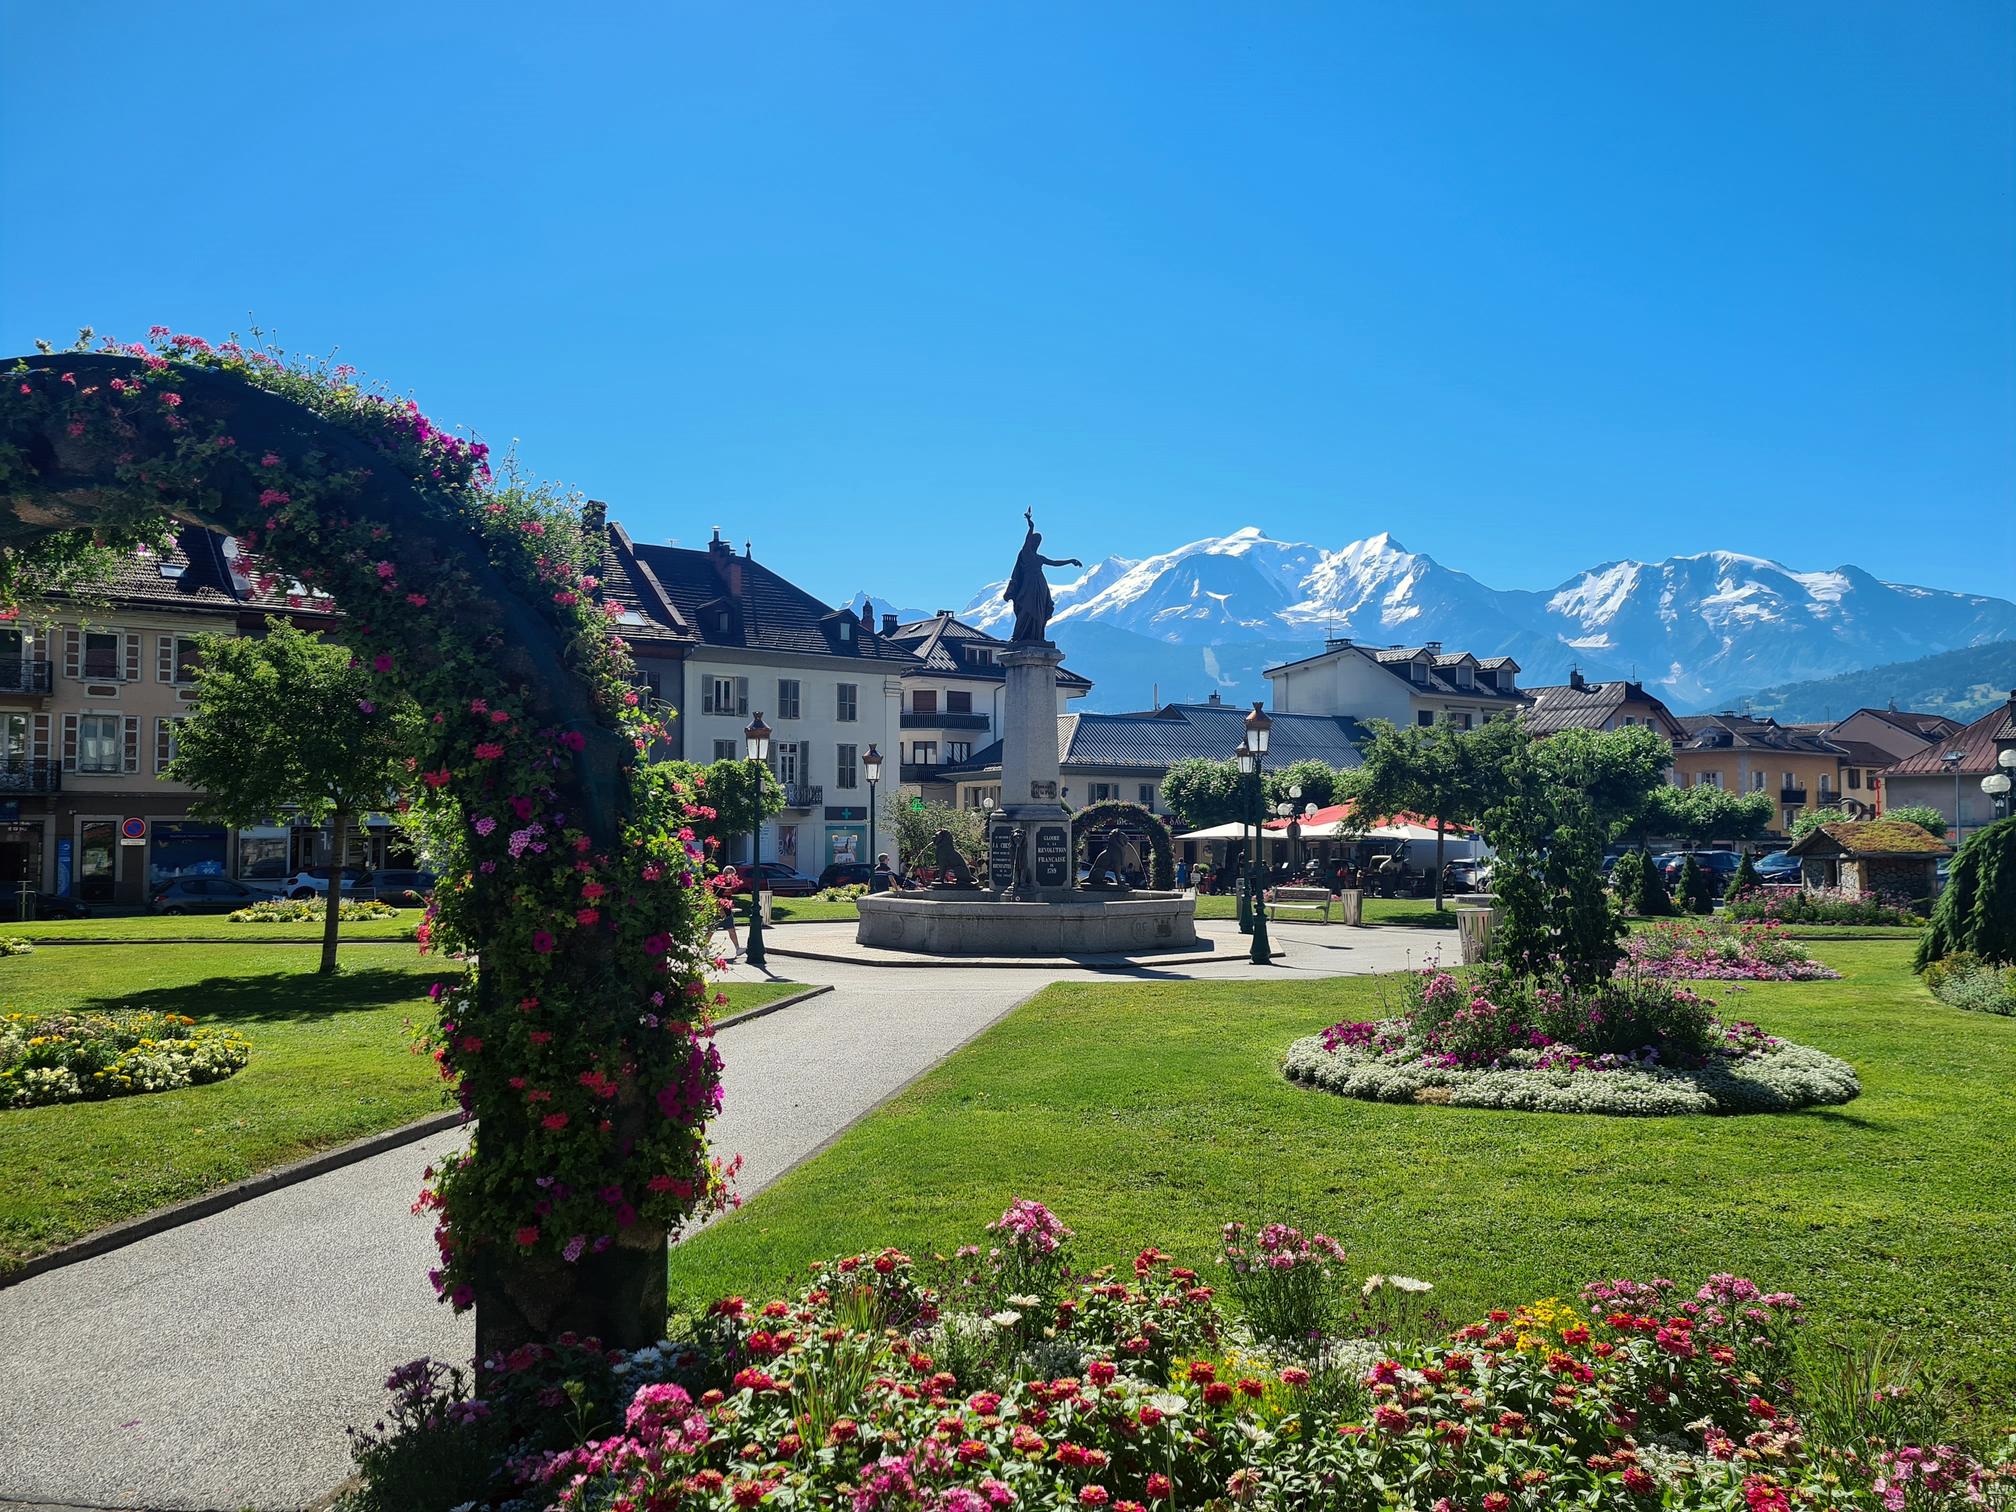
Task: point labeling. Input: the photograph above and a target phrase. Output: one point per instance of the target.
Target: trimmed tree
(1697, 895)
(1977, 911)
(1202, 793)
(1746, 876)
(1697, 815)
(288, 721)
(1439, 772)
(1926, 817)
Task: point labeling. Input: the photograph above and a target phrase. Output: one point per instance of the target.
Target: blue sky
(1532, 286)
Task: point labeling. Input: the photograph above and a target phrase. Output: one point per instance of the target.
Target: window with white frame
(1147, 798)
(725, 695)
(785, 762)
(1100, 791)
(727, 750)
(99, 741)
(167, 741)
(847, 702)
(958, 750)
(787, 698)
(924, 752)
(104, 655)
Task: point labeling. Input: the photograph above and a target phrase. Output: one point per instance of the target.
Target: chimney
(1575, 680)
(594, 516)
(888, 623)
(1337, 643)
(718, 548)
(867, 616)
(1214, 700)
(1434, 648)
(726, 567)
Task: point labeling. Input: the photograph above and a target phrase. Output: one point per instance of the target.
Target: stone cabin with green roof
(1890, 856)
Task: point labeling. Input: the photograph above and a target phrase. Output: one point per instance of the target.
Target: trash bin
(1473, 930)
(1353, 900)
(763, 903)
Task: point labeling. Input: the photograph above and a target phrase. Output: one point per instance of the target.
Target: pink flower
(527, 1237)
(386, 569)
(381, 663)
(587, 916)
(365, 706)
(542, 941)
(488, 750)
(485, 825)
(417, 600)
(574, 740)
(274, 496)
(572, 1251)
(271, 459)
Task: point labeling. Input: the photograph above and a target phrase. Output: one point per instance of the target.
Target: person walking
(1183, 876)
(724, 884)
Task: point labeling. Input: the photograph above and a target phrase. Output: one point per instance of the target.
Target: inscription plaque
(1053, 855)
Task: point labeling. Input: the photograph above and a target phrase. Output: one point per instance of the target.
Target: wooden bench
(1316, 900)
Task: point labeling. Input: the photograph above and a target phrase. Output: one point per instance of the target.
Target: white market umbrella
(1228, 831)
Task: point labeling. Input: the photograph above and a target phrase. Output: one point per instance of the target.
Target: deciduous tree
(289, 721)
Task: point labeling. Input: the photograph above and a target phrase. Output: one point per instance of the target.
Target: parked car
(313, 882)
(402, 887)
(41, 905)
(194, 895)
(779, 880)
(846, 874)
(1779, 866)
(1720, 865)
(1467, 876)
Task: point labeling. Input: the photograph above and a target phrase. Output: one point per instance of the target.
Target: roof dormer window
(1463, 677)
(1419, 672)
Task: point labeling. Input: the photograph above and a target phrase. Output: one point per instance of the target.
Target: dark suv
(1720, 865)
(402, 887)
(846, 874)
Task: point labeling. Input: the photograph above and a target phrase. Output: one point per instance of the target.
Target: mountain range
(1698, 630)
(1962, 685)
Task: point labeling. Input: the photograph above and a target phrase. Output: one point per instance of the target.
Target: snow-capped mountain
(1697, 629)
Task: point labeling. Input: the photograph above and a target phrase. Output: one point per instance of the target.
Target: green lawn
(203, 927)
(1152, 1113)
(331, 1061)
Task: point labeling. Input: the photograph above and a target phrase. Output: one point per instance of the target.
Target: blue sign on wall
(10, 811)
(63, 867)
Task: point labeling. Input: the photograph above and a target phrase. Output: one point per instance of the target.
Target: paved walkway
(214, 1366)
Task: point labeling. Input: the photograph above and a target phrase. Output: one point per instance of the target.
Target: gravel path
(214, 1366)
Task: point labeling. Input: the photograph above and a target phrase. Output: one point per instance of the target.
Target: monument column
(1029, 725)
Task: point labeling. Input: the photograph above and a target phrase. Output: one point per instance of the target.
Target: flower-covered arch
(579, 1037)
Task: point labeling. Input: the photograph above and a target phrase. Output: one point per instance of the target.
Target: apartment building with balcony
(951, 698)
(719, 638)
(1798, 768)
(91, 695)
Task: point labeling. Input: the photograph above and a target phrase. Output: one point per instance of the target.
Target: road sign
(133, 831)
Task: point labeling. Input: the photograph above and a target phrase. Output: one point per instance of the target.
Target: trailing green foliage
(1977, 911)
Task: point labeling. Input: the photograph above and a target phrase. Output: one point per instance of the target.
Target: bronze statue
(952, 868)
(1027, 590)
(1110, 858)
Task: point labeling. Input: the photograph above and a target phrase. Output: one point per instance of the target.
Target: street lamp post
(871, 768)
(1952, 760)
(756, 740)
(1998, 782)
(1246, 761)
(1258, 728)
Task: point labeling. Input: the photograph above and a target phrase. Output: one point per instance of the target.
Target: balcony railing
(1791, 795)
(803, 795)
(23, 674)
(921, 771)
(946, 721)
(21, 776)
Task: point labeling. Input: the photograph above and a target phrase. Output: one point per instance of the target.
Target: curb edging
(119, 1235)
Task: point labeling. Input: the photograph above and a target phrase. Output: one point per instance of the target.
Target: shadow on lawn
(281, 996)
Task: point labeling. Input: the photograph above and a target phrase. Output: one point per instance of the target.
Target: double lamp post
(1251, 757)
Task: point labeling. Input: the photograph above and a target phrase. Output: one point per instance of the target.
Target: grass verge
(331, 1062)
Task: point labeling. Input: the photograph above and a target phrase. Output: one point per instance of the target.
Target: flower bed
(1138, 1392)
(1825, 905)
(1966, 981)
(310, 911)
(73, 1057)
(13, 945)
(1629, 1047)
(1720, 951)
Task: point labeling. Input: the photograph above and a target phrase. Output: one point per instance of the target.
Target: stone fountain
(1033, 905)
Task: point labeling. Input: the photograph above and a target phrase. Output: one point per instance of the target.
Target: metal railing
(800, 795)
(18, 775)
(24, 674)
(1791, 795)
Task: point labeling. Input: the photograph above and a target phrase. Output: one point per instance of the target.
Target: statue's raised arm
(1027, 590)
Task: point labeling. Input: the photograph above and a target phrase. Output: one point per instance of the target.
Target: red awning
(1337, 813)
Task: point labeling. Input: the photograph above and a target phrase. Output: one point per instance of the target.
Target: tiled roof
(1925, 726)
(1976, 744)
(1157, 740)
(766, 613)
(194, 575)
(1861, 753)
(1397, 660)
(1589, 706)
(1871, 837)
(1710, 732)
(932, 642)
